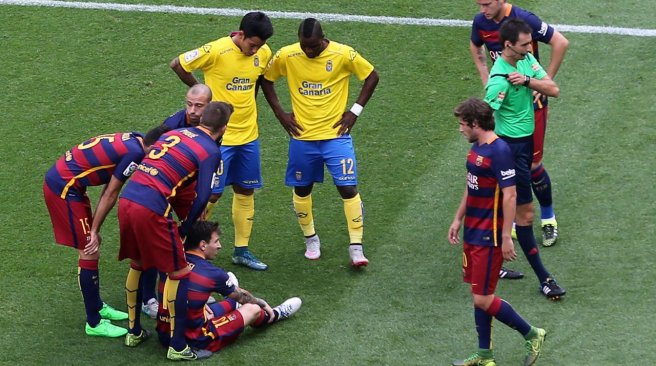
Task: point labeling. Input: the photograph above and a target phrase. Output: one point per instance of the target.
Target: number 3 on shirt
(171, 141)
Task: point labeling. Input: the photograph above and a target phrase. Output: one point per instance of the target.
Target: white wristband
(356, 109)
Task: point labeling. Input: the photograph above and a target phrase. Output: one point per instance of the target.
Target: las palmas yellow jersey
(232, 77)
(318, 86)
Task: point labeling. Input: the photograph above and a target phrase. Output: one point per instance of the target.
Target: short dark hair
(153, 135)
(475, 110)
(511, 28)
(200, 230)
(258, 24)
(310, 27)
(216, 115)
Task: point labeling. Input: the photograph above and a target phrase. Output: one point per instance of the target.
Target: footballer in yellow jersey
(233, 67)
(318, 72)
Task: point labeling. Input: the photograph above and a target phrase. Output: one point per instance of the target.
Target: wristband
(527, 79)
(357, 109)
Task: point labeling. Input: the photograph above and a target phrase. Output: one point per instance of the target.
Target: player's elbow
(174, 64)
(554, 91)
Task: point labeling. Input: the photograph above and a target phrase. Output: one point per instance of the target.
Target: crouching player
(213, 326)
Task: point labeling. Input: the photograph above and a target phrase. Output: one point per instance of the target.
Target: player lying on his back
(214, 326)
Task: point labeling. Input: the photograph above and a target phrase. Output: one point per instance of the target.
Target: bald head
(197, 99)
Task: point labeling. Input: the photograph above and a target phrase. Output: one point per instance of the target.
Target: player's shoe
(313, 247)
(132, 340)
(551, 290)
(187, 354)
(105, 329)
(108, 312)
(534, 346)
(288, 308)
(475, 360)
(150, 308)
(357, 256)
(549, 232)
(249, 260)
(509, 274)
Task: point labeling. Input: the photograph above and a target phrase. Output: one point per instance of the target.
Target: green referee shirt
(512, 104)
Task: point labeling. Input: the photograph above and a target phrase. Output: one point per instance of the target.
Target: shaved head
(200, 90)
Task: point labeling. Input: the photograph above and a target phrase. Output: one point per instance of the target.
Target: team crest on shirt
(130, 169)
(256, 61)
(299, 175)
(329, 65)
(479, 160)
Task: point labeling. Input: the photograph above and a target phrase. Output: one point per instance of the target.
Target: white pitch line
(638, 32)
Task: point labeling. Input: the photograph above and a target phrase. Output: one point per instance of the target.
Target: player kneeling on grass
(214, 326)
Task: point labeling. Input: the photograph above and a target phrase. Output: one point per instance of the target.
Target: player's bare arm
(453, 236)
(559, 45)
(508, 206)
(287, 120)
(107, 201)
(186, 77)
(244, 297)
(480, 60)
(349, 117)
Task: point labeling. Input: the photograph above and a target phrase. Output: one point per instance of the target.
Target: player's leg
(339, 156)
(522, 152)
(477, 271)
(304, 168)
(71, 220)
(541, 182)
(149, 303)
(246, 176)
(134, 298)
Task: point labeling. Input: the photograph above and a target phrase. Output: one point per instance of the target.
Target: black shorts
(522, 150)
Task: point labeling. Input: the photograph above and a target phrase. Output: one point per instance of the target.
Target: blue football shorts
(307, 158)
(522, 150)
(239, 165)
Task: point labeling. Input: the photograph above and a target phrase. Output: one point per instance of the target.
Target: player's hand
(508, 249)
(288, 122)
(516, 78)
(346, 123)
(537, 96)
(453, 236)
(93, 244)
(269, 311)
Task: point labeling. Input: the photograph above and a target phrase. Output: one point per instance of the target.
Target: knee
(483, 301)
(303, 191)
(250, 313)
(524, 216)
(347, 192)
(243, 191)
(215, 197)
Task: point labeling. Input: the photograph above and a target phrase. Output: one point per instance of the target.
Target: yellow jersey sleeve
(232, 76)
(318, 86)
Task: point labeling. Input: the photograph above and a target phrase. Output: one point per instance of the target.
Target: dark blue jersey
(205, 278)
(486, 31)
(177, 120)
(490, 168)
(177, 158)
(94, 162)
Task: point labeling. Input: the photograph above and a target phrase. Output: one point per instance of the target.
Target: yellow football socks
(131, 288)
(243, 210)
(303, 209)
(354, 213)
